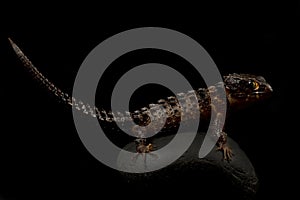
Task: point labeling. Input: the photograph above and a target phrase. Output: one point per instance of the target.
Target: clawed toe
(227, 152)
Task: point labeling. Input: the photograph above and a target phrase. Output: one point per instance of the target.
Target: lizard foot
(227, 152)
(223, 146)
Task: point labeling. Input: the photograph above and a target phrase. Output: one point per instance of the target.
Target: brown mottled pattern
(241, 90)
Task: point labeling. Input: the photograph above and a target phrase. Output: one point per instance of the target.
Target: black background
(41, 154)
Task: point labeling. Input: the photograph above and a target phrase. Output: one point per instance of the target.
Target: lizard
(241, 90)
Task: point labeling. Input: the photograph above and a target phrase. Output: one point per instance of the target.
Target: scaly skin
(241, 90)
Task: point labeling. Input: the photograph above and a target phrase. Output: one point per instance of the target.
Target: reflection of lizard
(241, 90)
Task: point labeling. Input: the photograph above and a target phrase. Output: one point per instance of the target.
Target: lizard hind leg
(222, 145)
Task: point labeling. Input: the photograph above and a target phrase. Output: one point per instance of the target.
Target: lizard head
(244, 89)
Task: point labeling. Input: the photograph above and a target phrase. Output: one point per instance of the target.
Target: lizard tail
(64, 97)
(59, 94)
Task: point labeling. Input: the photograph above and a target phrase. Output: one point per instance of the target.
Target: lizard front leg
(223, 146)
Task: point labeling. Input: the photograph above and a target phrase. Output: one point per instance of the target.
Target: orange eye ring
(255, 85)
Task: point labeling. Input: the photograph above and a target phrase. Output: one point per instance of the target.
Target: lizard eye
(254, 85)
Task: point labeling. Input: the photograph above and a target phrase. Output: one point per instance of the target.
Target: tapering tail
(64, 97)
(101, 114)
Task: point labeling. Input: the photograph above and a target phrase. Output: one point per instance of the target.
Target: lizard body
(241, 90)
